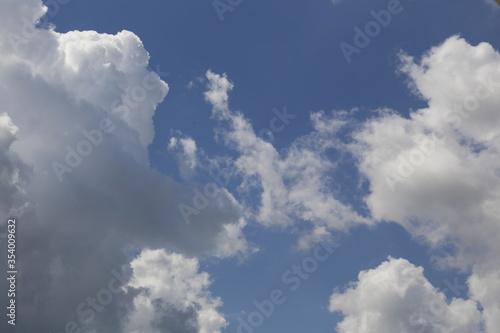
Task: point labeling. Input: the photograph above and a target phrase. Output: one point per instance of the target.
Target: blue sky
(269, 57)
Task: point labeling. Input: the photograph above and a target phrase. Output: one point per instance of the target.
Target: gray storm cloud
(75, 121)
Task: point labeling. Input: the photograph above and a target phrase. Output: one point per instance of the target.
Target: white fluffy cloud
(294, 185)
(170, 286)
(437, 172)
(75, 123)
(397, 298)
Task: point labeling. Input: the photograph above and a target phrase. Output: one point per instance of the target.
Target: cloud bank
(436, 172)
(75, 123)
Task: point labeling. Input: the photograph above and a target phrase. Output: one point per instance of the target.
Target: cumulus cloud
(75, 124)
(395, 298)
(172, 298)
(436, 172)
